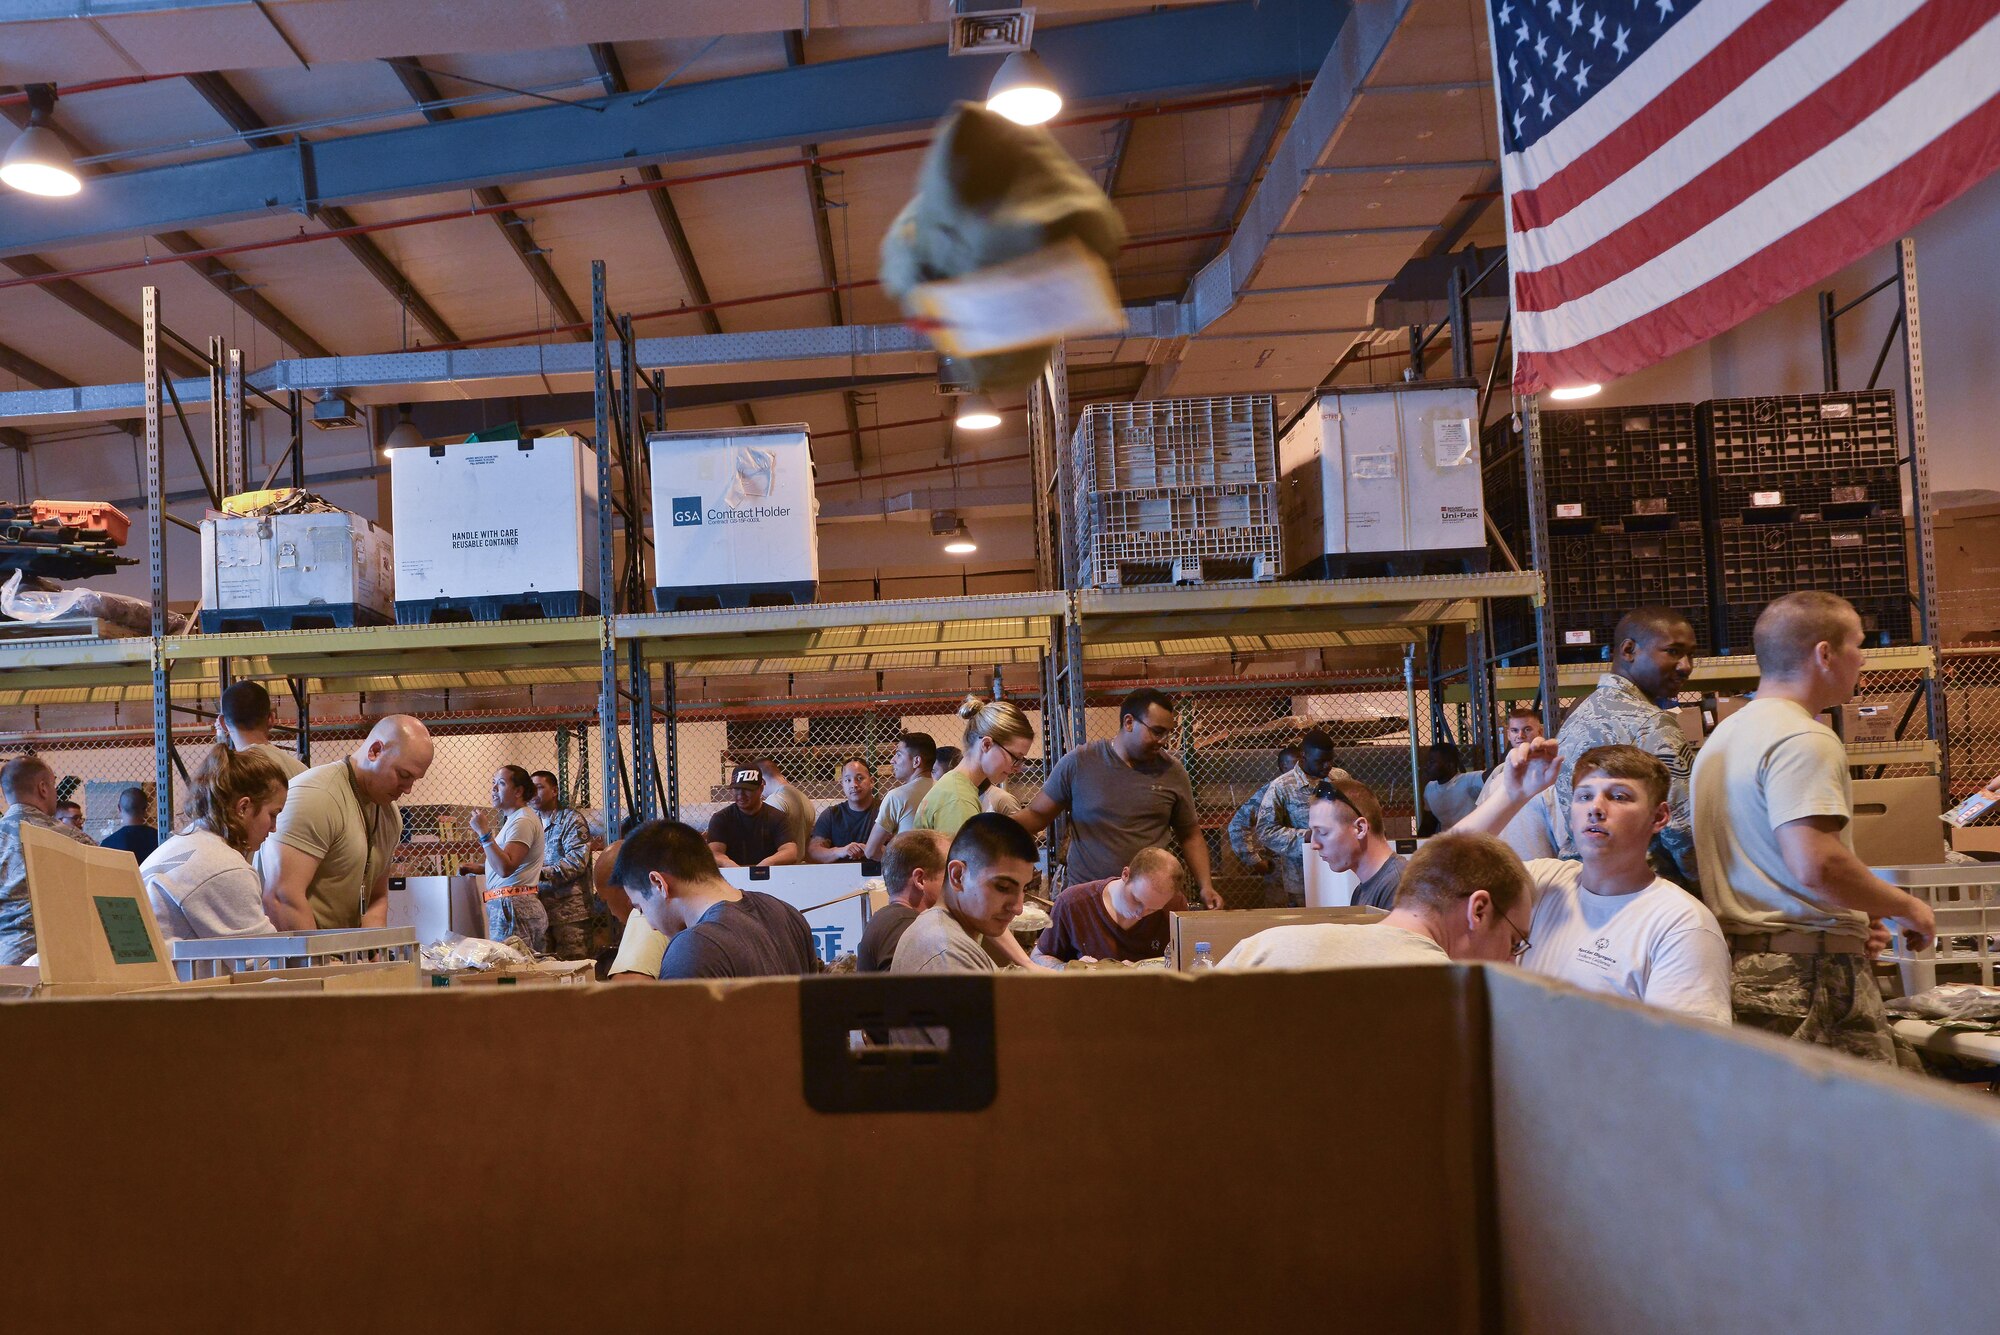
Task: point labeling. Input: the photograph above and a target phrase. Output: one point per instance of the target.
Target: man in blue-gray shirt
(714, 930)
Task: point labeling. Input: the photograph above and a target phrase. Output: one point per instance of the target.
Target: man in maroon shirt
(1124, 917)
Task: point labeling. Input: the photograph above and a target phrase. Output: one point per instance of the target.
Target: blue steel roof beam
(1170, 52)
(237, 113)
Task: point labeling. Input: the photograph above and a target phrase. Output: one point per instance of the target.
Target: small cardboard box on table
(1436, 1149)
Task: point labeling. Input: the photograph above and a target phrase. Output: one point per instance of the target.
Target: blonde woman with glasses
(998, 738)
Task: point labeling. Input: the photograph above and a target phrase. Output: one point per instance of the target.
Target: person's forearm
(1844, 881)
(1031, 821)
(1041, 961)
(1495, 811)
(787, 854)
(1194, 847)
(288, 910)
(376, 914)
(822, 851)
(878, 840)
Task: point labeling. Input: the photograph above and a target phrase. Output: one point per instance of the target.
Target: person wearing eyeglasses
(1609, 923)
(1462, 897)
(1123, 796)
(998, 739)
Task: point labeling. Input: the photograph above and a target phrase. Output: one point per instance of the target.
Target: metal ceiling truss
(1148, 55)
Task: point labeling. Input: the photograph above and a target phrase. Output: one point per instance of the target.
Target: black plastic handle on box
(864, 1044)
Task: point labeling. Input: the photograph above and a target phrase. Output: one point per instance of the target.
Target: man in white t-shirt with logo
(1608, 923)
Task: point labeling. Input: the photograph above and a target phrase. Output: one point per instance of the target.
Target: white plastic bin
(209, 956)
(734, 516)
(1966, 899)
(496, 523)
(1389, 473)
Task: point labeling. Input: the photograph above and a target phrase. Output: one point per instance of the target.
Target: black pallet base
(1883, 622)
(312, 616)
(735, 596)
(1384, 565)
(495, 607)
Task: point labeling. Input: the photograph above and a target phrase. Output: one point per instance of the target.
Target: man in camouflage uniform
(29, 786)
(1652, 656)
(565, 884)
(1772, 811)
(1243, 836)
(1284, 817)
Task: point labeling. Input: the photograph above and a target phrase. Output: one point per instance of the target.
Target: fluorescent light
(976, 413)
(1575, 391)
(1023, 92)
(39, 163)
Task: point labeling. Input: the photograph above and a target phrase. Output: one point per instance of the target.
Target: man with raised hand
(1606, 922)
(1652, 655)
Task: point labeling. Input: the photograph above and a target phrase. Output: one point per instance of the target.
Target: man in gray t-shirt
(1124, 795)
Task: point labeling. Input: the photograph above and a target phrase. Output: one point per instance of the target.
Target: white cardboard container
(733, 517)
(296, 561)
(1392, 470)
(495, 519)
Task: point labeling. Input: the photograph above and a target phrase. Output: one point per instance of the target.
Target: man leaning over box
(327, 863)
(1772, 815)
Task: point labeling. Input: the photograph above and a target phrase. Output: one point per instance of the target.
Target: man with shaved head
(327, 863)
(1652, 654)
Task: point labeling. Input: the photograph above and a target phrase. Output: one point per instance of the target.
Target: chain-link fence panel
(1971, 680)
(93, 767)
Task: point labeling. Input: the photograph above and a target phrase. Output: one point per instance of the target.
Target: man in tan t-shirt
(328, 861)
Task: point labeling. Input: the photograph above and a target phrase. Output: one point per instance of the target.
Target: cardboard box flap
(1655, 1173)
(93, 920)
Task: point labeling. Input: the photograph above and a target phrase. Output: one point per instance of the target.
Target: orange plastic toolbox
(88, 516)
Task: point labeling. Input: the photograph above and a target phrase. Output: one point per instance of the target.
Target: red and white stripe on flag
(1751, 149)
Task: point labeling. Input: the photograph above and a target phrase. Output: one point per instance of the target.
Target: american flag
(1672, 167)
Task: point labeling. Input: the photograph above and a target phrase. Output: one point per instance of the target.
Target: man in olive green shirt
(327, 863)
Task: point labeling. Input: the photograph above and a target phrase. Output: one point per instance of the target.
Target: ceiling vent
(331, 412)
(993, 32)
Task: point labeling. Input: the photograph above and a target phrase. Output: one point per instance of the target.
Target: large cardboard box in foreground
(1443, 1150)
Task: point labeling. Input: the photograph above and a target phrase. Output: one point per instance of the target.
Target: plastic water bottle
(1203, 957)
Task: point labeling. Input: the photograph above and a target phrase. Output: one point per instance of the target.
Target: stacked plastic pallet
(1622, 498)
(1177, 491)
(1804, 493)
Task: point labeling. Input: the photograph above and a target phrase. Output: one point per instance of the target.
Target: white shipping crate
(495, 519)
(733, 517)
(292, 561)
(1391, 470)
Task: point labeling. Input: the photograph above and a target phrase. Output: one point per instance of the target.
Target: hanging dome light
(959, 542)
(404, 435)
(976, 413)
(1023, 90)
(39, 162)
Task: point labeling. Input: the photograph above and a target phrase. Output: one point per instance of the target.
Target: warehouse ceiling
(357, 177)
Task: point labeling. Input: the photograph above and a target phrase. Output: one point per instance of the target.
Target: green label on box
(125, 929)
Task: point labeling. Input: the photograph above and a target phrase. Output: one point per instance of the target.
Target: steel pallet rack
(620, 649)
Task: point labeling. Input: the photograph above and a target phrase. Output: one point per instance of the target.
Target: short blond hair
(1447, 869)
(1790, 629)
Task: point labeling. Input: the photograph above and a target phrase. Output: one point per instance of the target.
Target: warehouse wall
(1778, 352)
